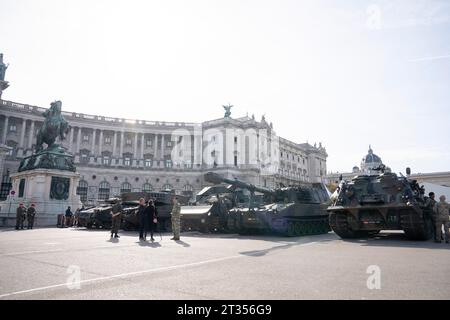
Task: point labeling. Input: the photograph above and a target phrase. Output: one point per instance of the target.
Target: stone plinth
(51, 190)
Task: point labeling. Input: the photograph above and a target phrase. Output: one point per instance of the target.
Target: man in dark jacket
(152, 215)
(31, 212)
(68, 217)
(143, 221)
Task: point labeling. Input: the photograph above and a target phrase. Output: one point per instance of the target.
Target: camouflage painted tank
(291, 211)
(370, 203)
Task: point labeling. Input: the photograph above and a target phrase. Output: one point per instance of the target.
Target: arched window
(82, 190)
(125, 187)
(167, 187)
(188, 190)
(147, 187)
(103, 190)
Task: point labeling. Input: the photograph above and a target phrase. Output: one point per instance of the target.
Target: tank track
(340, 226)
(297, 228)
(416, 227)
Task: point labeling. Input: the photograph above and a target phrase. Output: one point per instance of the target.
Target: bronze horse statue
(54, 126)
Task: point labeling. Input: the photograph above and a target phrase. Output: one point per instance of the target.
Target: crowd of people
(440, 217)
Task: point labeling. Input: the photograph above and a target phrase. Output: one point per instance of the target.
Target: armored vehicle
(100, 216)
(209, 212)
(292, 211)
(370, 203)
(163, 203)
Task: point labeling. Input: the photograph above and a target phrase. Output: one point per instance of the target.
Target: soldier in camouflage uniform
(20, 216)
(116, 213)
(31, 212)
(442, 218)
(176, 219)
(430, 204)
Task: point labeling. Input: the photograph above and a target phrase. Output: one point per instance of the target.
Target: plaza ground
(45, 264)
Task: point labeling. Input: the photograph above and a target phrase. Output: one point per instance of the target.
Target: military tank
(290, 211)
(99, 217)
(209, 212)
(370, 203)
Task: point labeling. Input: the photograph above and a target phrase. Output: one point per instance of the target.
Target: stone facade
(114, 155)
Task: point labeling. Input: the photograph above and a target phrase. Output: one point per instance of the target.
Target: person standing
(68, 216)
(142, 219)
(176, 219)
(442, 218)
(151, 218)
(430, 204)
(116, 213)
(20, 216)
(31, 212)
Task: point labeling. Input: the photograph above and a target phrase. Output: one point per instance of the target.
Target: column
(100, 143)
(155, 147)
(142, 145)
(162, 146)
(70, 136)
(114, 144)
(5, 129)
(135, 148)
(94, 136)
(22, 138)
(78, 140)
(135, 155)
(31, 135)
(122, 136)
(77, 150)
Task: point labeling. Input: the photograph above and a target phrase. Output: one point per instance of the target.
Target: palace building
(116, 155)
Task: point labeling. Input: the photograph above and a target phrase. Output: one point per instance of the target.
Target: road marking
(29, 252)
(59, 250)
(124, 275)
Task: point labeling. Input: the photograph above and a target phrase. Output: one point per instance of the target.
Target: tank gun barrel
(217, 179)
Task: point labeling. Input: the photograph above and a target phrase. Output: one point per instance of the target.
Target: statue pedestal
(51, 190)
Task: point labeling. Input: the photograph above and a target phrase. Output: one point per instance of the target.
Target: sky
(344, 73)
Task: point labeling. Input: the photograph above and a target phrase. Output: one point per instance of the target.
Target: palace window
(108, 140)
(103, 190)
(169, 144)
(188, 164)
(85, 138)
(147, 187)
(167, 186)
(168, 163)
(82, 190)
(148, 163)
(125, 187)
(127, 161)
(106, 161)
(5, 186)
(149, 143)
(12, 128)
(128, 142)
(84, 158)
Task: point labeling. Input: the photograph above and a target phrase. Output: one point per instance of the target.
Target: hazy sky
(344, 73)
